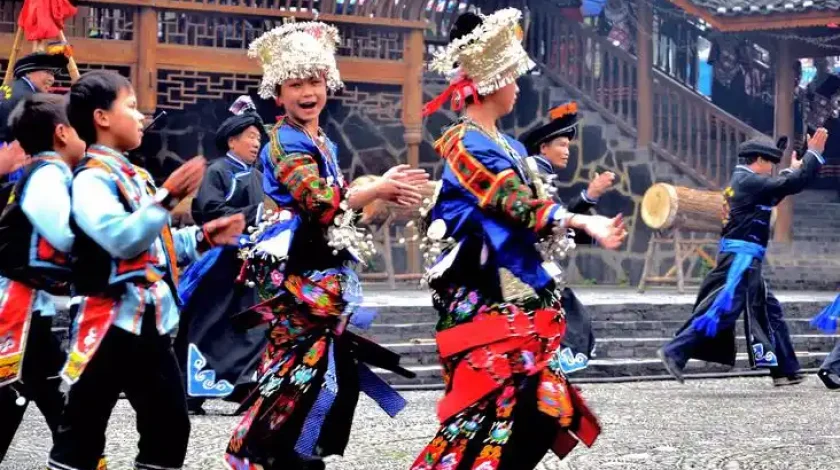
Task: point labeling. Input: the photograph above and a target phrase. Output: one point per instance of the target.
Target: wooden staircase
(689, 132)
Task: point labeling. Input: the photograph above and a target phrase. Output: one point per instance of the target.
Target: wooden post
(644, 75)
(412, 117)
(146, 70)
(784, 127)
(679, 258)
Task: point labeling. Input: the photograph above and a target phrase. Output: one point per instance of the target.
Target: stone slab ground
(732, 424)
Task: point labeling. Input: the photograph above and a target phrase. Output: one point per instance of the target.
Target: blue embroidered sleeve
(481, 169)
(100, 214)
(46, 203)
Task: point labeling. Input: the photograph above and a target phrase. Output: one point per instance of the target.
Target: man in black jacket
(34, 73)
(736, 285)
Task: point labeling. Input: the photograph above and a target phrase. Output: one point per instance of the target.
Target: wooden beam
(699, 12)
(760, 21)
(781, 20)
(644, 74)
(218, 60)
(784, 127)
(259, 12)
(146, 70)
(96, 51)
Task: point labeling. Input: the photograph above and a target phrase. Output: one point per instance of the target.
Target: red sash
(15, 318)
(96, 314)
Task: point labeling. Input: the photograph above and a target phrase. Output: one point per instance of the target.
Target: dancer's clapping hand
(406, 174)
(795, 161)
(12, 157)
(609, 233)
(225, 230)
(399, 192)
(402, 184)
(817, 141)
(186, 179)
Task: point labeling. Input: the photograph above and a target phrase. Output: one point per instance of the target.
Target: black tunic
(21, 88)
(579, 338)
(229, 187)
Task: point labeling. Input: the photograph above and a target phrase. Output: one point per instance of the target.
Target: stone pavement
(734, 424)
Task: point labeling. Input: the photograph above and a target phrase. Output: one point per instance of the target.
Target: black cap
(563, 123)
(36, 61)
(761, 147)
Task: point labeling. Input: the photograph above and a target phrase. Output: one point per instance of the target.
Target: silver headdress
(491, 55)
(297, 51)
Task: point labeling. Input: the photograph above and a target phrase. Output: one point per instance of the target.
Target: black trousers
(39, 383)
(145, 368)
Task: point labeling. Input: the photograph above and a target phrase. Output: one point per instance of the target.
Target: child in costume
(125, 273)
(736, 284)
(218, 361)
(301, 261)
(496, 284)
(35, 243)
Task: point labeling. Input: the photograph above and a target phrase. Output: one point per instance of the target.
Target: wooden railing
(689, 131)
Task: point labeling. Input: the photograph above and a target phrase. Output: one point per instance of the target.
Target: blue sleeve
(46, 203)
(480, 169)
(99, 213)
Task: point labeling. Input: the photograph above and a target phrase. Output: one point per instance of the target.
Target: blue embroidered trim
(202, 383)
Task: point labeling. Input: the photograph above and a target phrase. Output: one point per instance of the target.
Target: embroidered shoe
(829, 379)
(794, 379)
(670, 365)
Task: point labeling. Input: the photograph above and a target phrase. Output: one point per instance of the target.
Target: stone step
(423, 352)
(802, 249)
(803, 277)
(408, 332)
(617, 312)
(631, 369)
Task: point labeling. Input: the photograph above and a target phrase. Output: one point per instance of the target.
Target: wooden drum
(665, 206)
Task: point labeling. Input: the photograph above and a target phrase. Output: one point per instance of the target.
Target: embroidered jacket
(125, 248)
(750, 198)
(302, 174)
(489, 207)
(35, 235)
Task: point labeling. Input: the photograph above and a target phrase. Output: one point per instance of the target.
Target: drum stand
(685, 249)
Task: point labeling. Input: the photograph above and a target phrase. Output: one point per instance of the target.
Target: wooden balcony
(681, 126)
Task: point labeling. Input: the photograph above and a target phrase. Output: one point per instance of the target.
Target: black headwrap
(245, 117)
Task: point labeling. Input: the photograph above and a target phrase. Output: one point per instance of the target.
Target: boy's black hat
(563, 123)
(764, 148)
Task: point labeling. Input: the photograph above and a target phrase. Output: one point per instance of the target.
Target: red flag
(44, 19)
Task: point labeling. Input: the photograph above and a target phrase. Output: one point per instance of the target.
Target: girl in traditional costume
(301, 260)
(496, 285)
